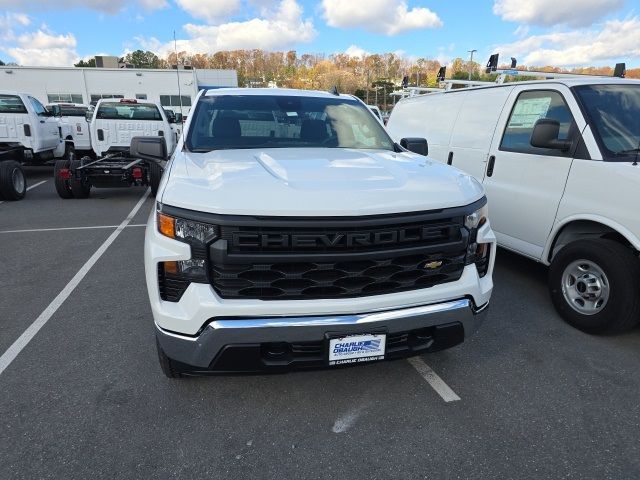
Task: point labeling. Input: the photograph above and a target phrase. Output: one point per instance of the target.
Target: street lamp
(471, 61)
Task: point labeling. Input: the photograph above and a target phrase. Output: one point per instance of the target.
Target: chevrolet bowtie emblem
(433, 265)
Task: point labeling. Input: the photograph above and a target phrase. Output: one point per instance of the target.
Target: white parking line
(70, 228)
(24, 339)
(433, 379)
(32, 186)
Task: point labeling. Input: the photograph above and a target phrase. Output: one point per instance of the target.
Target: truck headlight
(477, 253)
(198, 235)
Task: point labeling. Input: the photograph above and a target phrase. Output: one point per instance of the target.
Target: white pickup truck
(291, 231)
(29, 134)
(559, 160)
(73, 117)
(113, 124)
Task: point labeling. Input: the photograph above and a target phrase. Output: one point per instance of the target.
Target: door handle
(41, 121)
(450, 159)
(492, 162)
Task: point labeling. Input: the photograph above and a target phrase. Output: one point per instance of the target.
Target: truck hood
(314, 182)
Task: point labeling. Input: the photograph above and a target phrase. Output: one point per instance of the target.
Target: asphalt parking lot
(83, 396)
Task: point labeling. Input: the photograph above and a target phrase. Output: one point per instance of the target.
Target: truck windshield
(283, 121)
(613, 112)
(11, 104)
(128, 111)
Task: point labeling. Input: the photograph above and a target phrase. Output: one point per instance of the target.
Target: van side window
(528, 109)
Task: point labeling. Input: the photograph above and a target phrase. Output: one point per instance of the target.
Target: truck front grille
(292, 259)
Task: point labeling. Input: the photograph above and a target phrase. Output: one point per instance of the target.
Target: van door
(524, 184)
(47, 136)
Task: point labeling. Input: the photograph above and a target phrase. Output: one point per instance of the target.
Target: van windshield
(11, 104)
(128, 111)
(283, 121)
(613, 112)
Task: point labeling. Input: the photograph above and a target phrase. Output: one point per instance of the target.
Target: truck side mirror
(416, 145)
(149, 148)
(545, 135)
(178, 118)
(88, 115)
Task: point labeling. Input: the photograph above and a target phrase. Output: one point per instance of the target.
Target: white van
(558, 159)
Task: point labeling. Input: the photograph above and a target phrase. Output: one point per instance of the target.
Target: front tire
(80, 187)
(13, 183)
(595, 285)
(155, 175)
(168, 366)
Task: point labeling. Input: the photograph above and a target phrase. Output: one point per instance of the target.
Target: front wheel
(155, 175)
(168, 366)
(13, 183)
(595, 284)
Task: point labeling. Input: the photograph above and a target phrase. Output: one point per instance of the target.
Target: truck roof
(283, 92)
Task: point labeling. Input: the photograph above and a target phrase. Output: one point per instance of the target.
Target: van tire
(62, 186)
(155, 175)
(13, 183)
(79, 187)
(168, 366)
(621, 268)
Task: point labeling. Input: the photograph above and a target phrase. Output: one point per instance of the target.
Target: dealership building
(172, 88)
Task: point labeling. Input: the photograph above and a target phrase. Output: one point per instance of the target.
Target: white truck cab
(29, 134)
(116, 121)
(291, 231)
(73, 116)
(559, 162)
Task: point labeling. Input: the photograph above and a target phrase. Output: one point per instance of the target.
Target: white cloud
(9, 21)
(43, 47)
(357, 52)
(382, 16)
(281, 27)
(576, 13)
(210, 10)
(616, 40)
(106, 6)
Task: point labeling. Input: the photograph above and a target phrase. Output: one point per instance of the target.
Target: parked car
(292, 232)
(29, 134)
(73, 115)
(113, 124)
(376, 111)
(559, 161)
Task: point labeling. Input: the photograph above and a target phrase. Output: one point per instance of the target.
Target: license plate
(356, 349)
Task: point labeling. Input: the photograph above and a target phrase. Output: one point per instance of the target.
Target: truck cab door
(48, 136)
(525, 184)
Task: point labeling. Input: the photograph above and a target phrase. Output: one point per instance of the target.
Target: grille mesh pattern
(306, 280)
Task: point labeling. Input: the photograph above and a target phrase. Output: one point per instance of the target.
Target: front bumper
(283, 343)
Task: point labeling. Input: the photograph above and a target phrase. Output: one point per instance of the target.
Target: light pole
(471, 61)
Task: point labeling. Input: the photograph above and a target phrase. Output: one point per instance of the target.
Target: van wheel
(155, 175)
(13, 183)
(80, 187)
(62, 185)
(168, 366)
(594, 285)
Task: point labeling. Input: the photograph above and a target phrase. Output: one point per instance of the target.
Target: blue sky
(537, 32)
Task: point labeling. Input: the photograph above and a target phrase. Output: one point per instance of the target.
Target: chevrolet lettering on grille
(336, 240)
